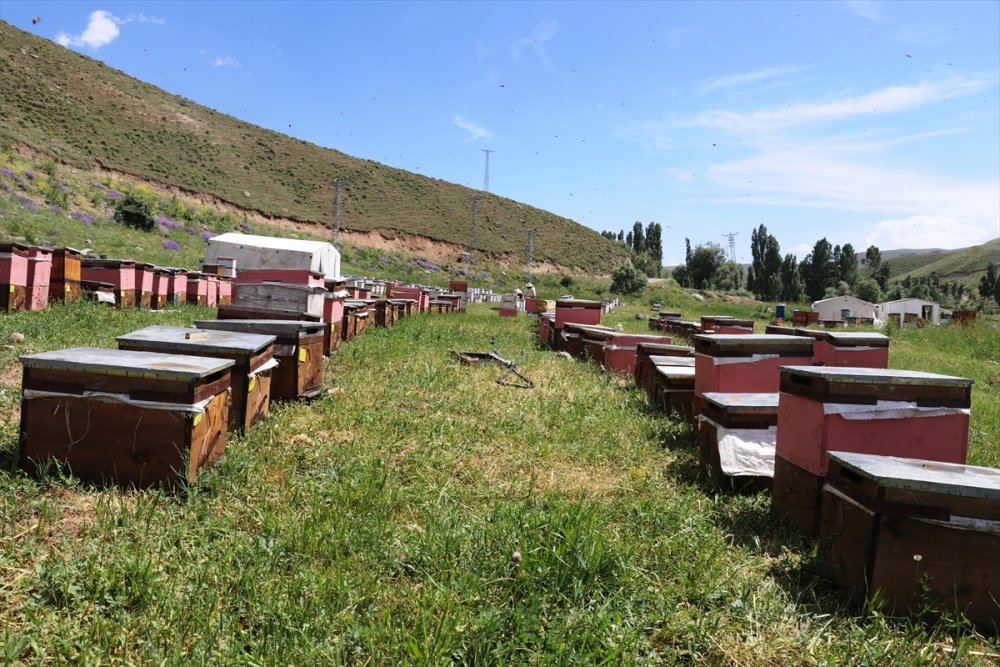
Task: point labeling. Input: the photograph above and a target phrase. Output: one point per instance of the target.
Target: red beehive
(737, 435)
(650, 355)
(13, 277)
(709, 323)
(138, 418)
(734, 326)
(333, 315)
(161, 286)
(178, 288)
(865, 410)
(577, 311)
(145, 277)
(120, 273)
(571, 338)
(914, 532)
(616, 350)
(746, 363)
(546, 325)
(860, 350)
(39, 272)
(197, 288)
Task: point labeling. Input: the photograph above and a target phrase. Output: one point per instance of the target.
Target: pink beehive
(887, 412)
(178, 288)
(39, 271)
(145, 276)
(577, 311)
(225, 284)
(161, 288)
(616, 350)
(290, 276)
(13, 276)
(120, 273)
(854, 349)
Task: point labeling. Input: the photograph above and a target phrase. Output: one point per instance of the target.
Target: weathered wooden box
(298, 347)
(546, 328)
(675, 390)
(286, 276)
(333, 316)
(734, 326)
(892, 526)
(737, 435)
(577, 311)
(658, 361)
(64, 280)
(571, 338)
(145, 279)
(13, 277)
(644, 352)
(746, 363)
(709, 323)
(615, 350)
(39, 275)
(197, 288)
(225, 285)
(138, 418)
(780, 329)
(252, 356)
(864, 410)
(857, 349)
(118, 272)
(415, 293)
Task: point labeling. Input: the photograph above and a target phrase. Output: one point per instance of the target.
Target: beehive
(737, 435)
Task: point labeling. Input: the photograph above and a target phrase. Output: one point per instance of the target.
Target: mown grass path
(379, 525)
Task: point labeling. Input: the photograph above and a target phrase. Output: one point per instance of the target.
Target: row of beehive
(31, 277)
(871, 460)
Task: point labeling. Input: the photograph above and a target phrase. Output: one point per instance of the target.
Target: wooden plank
(795, 495)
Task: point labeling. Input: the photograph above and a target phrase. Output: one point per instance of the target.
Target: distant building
(838, 308)
(925, 310)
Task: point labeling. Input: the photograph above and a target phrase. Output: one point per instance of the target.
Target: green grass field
(379, 525)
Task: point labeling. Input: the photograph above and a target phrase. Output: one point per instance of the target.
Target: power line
(474, 237)
(531, 250)
(732, 245)
(336, 211)
(486, 173)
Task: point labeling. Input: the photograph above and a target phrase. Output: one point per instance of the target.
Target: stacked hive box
(64, 280)
(138, 418)
(577, 311)
(119, 273)
(39, 276)
(13, 277)
(737, 435)
(252, 356)
(647, 357)
(863, 410)
(859, 349)
(616, 350)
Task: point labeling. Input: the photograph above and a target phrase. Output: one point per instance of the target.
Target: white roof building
(926, 310)
(271, 252)
(833, 309)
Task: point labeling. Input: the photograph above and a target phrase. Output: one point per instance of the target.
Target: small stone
(88, 242)
(517, 557)
(16, 338)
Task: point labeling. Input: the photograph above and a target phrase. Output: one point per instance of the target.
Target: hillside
(965, 265)
(86, 115)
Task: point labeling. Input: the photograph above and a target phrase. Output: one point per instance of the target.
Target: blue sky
(864, 122)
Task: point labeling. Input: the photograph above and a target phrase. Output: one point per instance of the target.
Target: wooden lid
(577, 303)
(663, 360)
(664, 349)
(90, 263)
(832, 384)
(166, 338)
(745, 345)
(745, 404)
(676, 371)
(855, 339)
(815, 334)
(279, 328)
(150, 365)
(928, 476)
(835, 374)
(777, 329)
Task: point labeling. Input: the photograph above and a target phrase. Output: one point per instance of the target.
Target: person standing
(529, 291)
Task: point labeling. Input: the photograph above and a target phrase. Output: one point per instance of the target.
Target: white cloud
(225, 61)
(731, 80)
(475, 131)
(143, 18)
(869, 9)
(888, 100)
(101, 30)
(924, 231)
(536, 42)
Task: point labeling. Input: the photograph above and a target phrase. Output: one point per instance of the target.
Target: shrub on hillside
(626, 279)
(135, 212)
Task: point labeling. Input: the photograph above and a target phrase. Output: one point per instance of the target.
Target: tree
(791, 282)
(765, 279)
(877, 268)
(654, 246)
(704, 263)
(847, 265)
(133, 211)
(626, 279)
(621, 236)
(868, 289)
(628, 240)
(638, 238)
(818, 270)
(989, 285)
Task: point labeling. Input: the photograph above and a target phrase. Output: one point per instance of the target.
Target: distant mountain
(965, 264)
(82, 113)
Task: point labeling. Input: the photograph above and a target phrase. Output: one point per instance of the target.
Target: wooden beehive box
(780, 330)
(546, 325)
(857, 349)
(747, 363)
(64, 280)
(138, 418)
(654, 361)
(225, 286)
(383, 314)
(13, 277)
(734, 326)
(577, 311)
(571, 339)
(298, 347)
(709, 323)
(674, 389)
(252, 356)
(197, 288)
(333, 316)
(349, 322)
(615, 350)
(737, 435)
(643, 364)
(39, 275)
(864, 410)
(118, 272)
(145, 278)
(890, 526)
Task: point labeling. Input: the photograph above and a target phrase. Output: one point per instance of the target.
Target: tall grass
(425, 515)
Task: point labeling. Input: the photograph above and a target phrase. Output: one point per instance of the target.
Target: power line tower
(336, 211)
(486, 173)
(474, 237)
(732, 245)
(531, 251)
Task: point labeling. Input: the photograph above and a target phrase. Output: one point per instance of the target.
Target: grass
(967, 265)
(380, 525)
(84, 114)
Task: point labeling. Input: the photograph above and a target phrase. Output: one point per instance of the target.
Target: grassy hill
(82, 113)
(965, 265)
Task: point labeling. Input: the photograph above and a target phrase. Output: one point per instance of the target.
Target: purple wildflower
(56, 209)
(207, 235)
(100, 186)
(114, 194)
(82, 217)
(30, 175)
(244, 226)
(191, 230)
(171, 245)
(6, 172)
(430, 266)
(62, 188)
(167, 222)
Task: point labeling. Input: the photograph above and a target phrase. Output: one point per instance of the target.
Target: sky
(863, 122)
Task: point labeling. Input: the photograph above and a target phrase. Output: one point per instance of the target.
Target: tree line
(645, 246)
